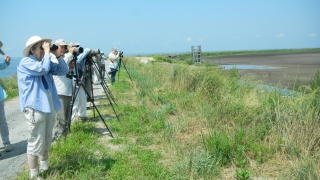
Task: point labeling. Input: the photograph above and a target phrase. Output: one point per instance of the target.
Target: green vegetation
(10, 85)
(185, 58)
(192, 122)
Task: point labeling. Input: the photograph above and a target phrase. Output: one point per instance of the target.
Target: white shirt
(113, 60)
(63, 84)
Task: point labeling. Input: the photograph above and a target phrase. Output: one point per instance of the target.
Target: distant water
(11, 69)
(246, 66)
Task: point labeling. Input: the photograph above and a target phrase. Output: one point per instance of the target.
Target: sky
(162, 26)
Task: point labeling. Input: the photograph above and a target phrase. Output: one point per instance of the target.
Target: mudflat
(290, 69)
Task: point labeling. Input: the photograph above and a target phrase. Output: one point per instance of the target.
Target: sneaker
(7, 147)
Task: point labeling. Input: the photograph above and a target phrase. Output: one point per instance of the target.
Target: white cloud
(280, 35)
(199, 39)
(188, 39)
(258, 35)
(313, 35)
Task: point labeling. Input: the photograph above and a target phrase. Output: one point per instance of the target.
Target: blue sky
(163, 26)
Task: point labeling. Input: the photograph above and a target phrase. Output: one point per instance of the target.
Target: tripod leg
(74, 96)
(105, 87)
(88, 84)
(107, 91)
(98, 112)
(124, 65)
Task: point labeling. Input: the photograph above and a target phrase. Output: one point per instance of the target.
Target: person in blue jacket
(38, 97)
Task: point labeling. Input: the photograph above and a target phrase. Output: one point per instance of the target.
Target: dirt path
(13, 161)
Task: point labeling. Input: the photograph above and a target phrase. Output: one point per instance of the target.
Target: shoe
(0, 155)
(7, 147)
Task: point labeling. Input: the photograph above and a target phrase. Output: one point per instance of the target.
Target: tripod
(103, 85)
(121, 61)
(79, 84)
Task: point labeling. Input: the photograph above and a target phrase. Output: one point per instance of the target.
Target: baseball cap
(61, 42)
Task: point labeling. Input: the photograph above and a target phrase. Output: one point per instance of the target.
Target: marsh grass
(193, 122)
(10, 85)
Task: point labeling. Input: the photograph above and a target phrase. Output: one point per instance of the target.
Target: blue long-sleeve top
(32, 92)
(3, 94)
(81, 59)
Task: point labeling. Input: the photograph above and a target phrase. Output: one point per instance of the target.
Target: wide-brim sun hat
(32, 41)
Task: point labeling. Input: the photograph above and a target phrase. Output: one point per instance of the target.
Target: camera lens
(78, 50)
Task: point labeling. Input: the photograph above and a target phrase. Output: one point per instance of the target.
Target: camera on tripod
(70, 74)
(94, 52)
(77, 50)
(120, 53)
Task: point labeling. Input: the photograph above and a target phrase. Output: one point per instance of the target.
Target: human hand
(7, 59)
(46, 47)
(71, 49)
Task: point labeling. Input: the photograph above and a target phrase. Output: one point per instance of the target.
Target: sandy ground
(292, 67)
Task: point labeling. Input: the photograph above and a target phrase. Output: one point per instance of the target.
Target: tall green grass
(192, 122)
(235, 126)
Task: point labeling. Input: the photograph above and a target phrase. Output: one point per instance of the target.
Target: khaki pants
(40, 126)
(60, 124)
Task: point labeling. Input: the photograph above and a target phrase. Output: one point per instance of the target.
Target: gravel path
(12, 162)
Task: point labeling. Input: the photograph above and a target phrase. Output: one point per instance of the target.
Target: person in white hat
(39, 98)
(3, 122)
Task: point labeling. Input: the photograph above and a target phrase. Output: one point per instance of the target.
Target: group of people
(46, 90)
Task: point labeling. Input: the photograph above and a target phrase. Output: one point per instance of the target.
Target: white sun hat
(32, 41)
